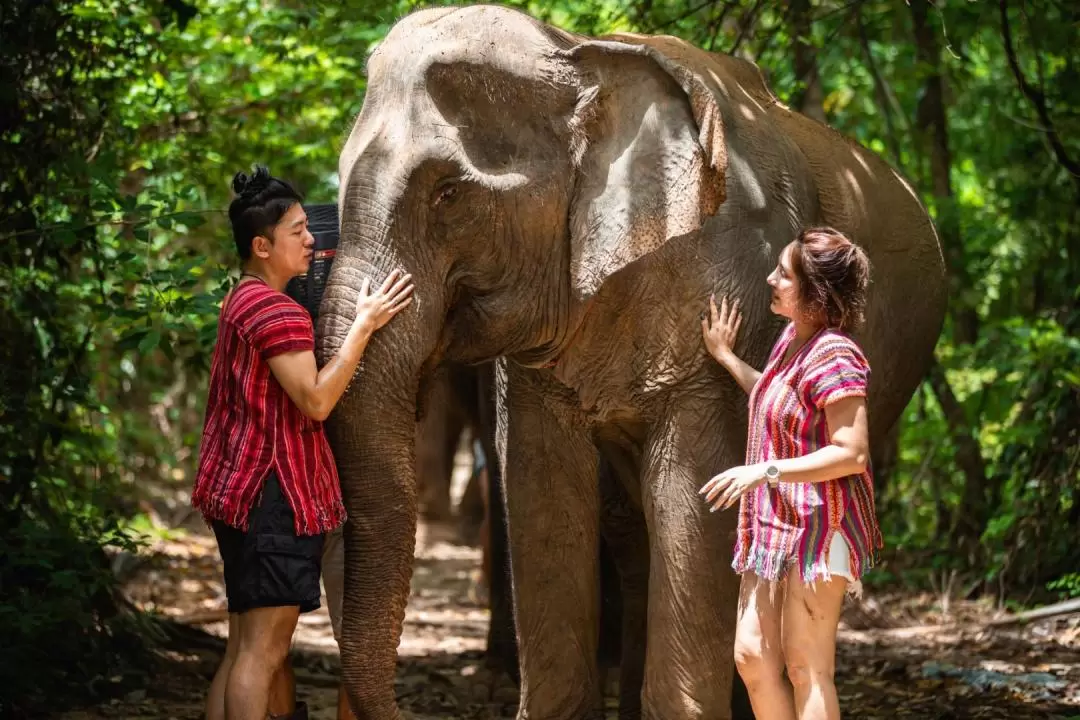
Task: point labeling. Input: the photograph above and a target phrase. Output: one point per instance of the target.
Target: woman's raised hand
(720, 329)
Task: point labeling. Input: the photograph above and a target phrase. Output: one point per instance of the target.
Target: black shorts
(269, 565)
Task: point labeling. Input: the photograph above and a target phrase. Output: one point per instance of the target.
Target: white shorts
(839, 557)
(839, 564)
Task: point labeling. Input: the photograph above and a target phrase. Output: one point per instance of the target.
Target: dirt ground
(897, 657)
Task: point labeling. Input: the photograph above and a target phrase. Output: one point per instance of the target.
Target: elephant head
(511, 168)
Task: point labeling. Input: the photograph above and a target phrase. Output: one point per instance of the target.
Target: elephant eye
(446, 193)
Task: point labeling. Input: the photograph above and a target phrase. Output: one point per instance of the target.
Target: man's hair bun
(248, 186)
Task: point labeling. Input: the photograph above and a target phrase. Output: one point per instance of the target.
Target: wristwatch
(772, 475)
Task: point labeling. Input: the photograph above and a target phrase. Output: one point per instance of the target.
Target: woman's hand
(721, 329)
(725, 489)
(376, 309)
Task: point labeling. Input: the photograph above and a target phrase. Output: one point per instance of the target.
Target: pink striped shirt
(795, 522)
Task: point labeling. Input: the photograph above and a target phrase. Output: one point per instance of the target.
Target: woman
(807, 527)
(267, 483)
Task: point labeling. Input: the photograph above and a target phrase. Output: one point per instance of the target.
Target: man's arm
(315, 391)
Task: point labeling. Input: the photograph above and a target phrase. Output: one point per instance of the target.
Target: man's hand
(376, 309)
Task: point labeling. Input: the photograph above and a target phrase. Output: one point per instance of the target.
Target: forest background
(121, 124)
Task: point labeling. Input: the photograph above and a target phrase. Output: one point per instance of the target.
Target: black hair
(261, 201)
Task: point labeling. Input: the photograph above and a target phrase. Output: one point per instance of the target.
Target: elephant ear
(651, 157)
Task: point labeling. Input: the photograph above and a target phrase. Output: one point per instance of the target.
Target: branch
(1037, 98)
(189, 120)
(1069, 607)
(717, 25)
(663, 26)
(879, 87)
(130, 221)
(774, 32)
(970, 515)
(749, 18)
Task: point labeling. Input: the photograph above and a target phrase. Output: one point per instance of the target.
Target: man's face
(292, 247)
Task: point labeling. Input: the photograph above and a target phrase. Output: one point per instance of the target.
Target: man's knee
(267, 633)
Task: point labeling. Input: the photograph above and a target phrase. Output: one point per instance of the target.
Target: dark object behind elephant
(566, 206)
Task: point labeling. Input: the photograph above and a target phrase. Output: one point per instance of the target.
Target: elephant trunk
(372, 432)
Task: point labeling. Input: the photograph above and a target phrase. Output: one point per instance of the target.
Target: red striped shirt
(794, 523)
(252, 426)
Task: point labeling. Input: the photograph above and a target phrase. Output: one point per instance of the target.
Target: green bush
(67, 636)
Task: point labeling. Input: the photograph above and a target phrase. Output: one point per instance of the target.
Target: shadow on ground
(1031, 672)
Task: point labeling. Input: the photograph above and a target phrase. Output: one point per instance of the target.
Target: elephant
(566, 205)
(449, 410)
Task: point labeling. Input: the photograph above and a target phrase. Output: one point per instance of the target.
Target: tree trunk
(971, 514)
(931, 124)
(932, 127)
(809, 98)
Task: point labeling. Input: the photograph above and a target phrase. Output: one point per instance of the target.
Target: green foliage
(1068, 585)
(60, 602)
(122, 125)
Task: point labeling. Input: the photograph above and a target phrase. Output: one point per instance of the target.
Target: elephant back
(811, 174)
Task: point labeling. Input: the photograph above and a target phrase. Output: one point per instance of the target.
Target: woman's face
(785, 287)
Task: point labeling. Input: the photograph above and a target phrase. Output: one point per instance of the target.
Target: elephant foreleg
(689, 665)
(552, 502)
(623, 526)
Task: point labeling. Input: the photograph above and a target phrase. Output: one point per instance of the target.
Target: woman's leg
(811, 614)
(758, 653)
(215, 700)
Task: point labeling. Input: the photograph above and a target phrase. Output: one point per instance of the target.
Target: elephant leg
(502, 652)
(552, 503)
(693, 593)
(437, 435)
(472, 509)
(623, 527)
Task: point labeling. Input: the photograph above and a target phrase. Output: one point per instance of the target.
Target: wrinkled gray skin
(564, 200)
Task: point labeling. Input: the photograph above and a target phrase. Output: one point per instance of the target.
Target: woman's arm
(720, 330)
(846, 454)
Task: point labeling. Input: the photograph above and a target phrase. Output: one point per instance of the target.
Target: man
(267, 482)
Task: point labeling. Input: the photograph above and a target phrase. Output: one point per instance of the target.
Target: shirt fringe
(227, 510)
(774, 565)
(766, 564)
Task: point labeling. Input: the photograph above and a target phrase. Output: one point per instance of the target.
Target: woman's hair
(261, 200)
(833, 275)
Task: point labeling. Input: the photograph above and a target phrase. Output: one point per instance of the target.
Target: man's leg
(215, 701)
(265, 637)
(811, 614)
(283, 692)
